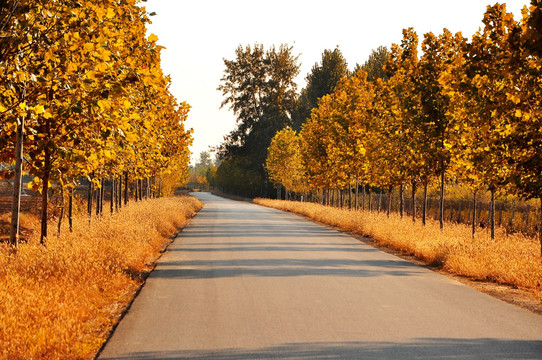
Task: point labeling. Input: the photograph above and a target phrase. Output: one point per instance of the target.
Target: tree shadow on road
(441, 349)
(214, 269)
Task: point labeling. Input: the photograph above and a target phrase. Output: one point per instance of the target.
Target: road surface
(248, 282)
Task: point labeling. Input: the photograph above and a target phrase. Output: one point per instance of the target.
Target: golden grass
(510, 259)
(61, 301)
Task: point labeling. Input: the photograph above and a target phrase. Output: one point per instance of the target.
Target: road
(248, 282)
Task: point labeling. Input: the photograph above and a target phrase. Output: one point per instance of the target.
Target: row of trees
(464, 111)
(81, 87)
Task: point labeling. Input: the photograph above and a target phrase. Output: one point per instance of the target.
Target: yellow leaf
(127, 104)
(47, 115)
(153, 38)
(103, 104)
(131, 137)
(518, 113)
(91, 75)
(72, 67)
(110, 13)
(22, 106)
(101, 67)
(39, 109)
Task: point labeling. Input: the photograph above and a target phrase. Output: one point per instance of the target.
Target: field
(512, 259)
(61, 301)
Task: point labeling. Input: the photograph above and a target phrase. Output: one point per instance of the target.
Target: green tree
(321, 81)
(259, 87)
(374, 66)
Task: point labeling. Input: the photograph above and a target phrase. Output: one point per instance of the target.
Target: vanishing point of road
(247, 282)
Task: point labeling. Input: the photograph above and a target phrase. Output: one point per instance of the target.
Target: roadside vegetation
(61, 301)
(509, 259)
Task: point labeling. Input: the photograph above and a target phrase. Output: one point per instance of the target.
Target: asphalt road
(248, 282)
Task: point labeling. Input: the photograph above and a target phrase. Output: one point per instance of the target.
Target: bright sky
(198, 34)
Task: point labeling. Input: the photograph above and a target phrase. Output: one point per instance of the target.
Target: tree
(404, 104)
(434, 125)
(485, 110)
(284, 162)
(374, 66)
(320, 81)
(524, 137)
(259, 87)
(89, 85)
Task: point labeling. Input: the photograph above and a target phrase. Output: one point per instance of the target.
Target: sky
(199, 34)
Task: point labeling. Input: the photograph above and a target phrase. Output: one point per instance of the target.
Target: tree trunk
(357, 194)
(474, 212)
(119, 193)
(89, 198)
(370, 199)
(125, 188)
(141, 190)
(414, 200)
(17, 186)
(390, 192)
(112, 198)
(98, 200)
(441, 204)
(540, 226)
(379, 200)
(70, 209)
(61, 216)
(102, 196)
(160, 187)
(492, 213)
(401, 200)
(363, 198)
(424, 204)
(45, 195)
(349, 195)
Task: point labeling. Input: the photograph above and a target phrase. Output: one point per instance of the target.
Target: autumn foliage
(464, 112)
(83, 83)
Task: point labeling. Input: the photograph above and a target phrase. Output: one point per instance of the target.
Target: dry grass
(510, 259)
(60, 302)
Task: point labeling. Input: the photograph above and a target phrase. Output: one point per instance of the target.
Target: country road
(248, 282)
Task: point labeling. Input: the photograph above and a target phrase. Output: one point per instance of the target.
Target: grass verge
(510, 259)
(61, 301)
